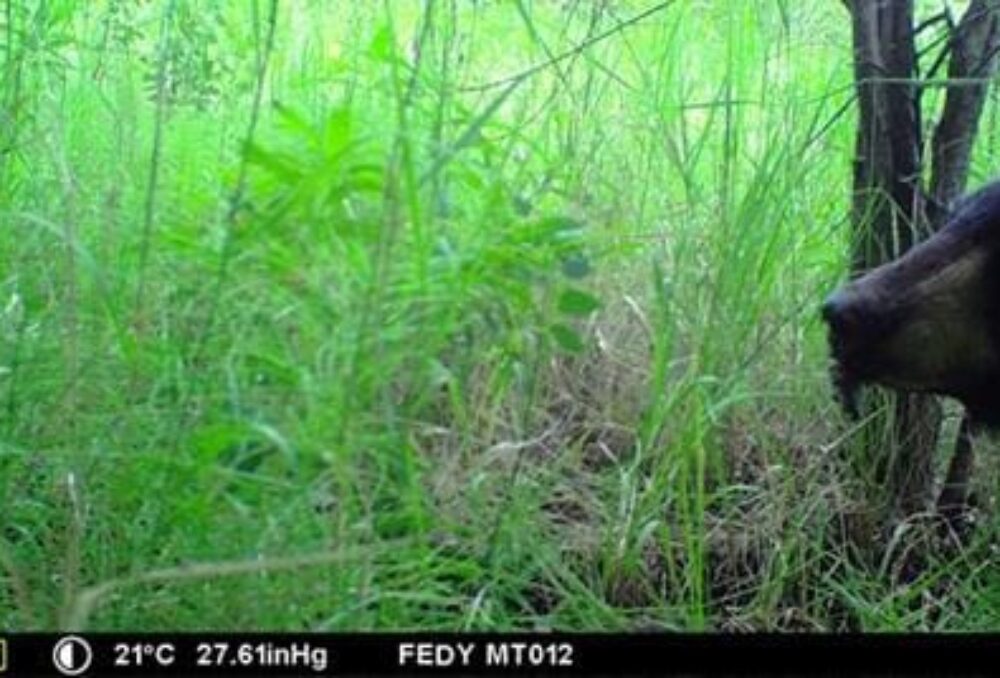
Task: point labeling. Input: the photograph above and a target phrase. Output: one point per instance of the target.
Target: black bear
(930, 320)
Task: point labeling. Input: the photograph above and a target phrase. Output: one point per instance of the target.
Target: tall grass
(372, 323)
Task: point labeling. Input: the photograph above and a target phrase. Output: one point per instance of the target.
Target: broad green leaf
(338, 131)
(381, 47)
(281, 165)
(577, 302)
(567, 338)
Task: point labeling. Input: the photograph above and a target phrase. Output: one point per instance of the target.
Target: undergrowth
(363, 323)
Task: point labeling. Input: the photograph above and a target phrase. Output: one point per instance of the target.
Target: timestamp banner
(215, 654)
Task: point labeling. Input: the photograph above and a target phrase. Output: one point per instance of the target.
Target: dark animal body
(930, 320)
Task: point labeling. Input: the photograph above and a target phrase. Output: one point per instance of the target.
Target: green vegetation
(367, 323)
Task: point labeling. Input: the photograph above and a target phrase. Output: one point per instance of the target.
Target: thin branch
(586, 44)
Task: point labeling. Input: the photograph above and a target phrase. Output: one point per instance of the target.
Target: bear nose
(831, 308)
(842, 314)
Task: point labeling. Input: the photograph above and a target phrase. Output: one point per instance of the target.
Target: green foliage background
(451, 314)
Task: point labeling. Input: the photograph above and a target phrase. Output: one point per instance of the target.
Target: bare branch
(974, 49)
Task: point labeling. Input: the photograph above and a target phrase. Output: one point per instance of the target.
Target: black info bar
(315, 654)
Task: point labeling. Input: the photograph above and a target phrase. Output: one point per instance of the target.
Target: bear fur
(930, 320)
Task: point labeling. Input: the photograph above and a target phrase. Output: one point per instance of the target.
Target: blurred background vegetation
(441, 314)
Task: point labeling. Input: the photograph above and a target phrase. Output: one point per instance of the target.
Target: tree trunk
(890, 212)
(974, 47)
